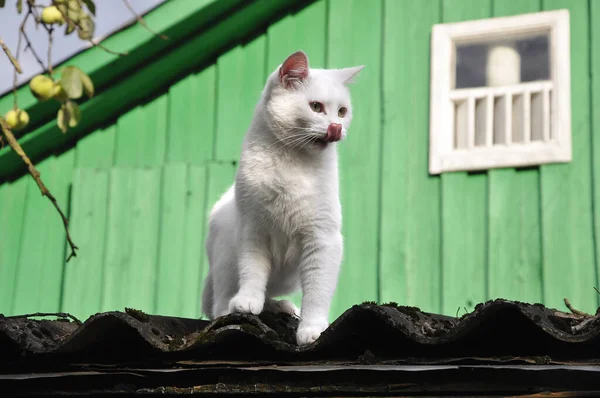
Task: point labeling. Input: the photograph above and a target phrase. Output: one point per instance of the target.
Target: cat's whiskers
(291, 141)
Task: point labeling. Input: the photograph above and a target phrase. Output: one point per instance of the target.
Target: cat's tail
(207, 297)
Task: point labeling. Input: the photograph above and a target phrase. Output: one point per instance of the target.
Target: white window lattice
(500, 93)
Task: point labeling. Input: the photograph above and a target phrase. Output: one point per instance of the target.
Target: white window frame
(443, 157)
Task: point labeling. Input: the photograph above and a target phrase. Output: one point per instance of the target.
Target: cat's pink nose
(334, 132)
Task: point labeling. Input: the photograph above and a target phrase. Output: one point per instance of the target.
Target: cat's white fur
(278, 228)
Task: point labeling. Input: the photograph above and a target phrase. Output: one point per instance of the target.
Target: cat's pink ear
(294, 69)
(347, 75)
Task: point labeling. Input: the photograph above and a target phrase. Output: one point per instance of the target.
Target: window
(500, 93)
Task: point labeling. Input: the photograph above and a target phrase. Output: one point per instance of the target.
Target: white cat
(278, 228)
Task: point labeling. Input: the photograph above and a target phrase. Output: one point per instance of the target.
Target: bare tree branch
(585, 318)
(28, 45)
(108, 50)
(36, 176)
(142, 22)
(573, 310)
(579, 327)
(50, 70)
(13, 60)
(92, 42)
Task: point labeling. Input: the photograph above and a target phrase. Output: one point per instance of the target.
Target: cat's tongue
(334, 132)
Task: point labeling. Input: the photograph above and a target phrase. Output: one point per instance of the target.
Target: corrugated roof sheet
(502, 347)
(495, 329)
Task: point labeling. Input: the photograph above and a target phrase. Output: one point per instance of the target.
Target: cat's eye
(342, 112)
(316, 106)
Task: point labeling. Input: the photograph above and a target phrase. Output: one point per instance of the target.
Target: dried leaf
(62, 119)
(2, 3)
(70, 29)
(74, 5)
(74, 113)
(88, 85)
(71, 82)
(75, 15)
(87, 27)
(19, 6)
(91, 6)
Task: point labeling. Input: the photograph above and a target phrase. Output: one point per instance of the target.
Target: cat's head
(309, 108)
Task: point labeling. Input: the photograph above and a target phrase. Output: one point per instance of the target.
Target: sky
(110, 15)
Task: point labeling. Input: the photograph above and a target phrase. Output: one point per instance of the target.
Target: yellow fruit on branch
(41, 87)
(52, 15)
(17, 119)
(23, 119)
(12, 118)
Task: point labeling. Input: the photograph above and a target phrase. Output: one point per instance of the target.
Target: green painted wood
(96, 150)
(568, 241)
(141, 135)
(193, 250)
(181, 247)
(358, 22)
(191, 118)
(514, 256)
(82, 287)
(153, 76)
(595, 89)
(240, 80)
(514, 227)
(130, 260)
(220, 177)
(12, 210)
(410, 265)
(464, 208)
(298, 32)
(42, 254)
(172, 271)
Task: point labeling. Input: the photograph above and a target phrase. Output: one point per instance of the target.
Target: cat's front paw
(285, 306)
(310, 331)
(247, 304)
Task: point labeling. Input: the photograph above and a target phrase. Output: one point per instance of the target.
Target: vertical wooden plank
(82, 291)
(299, 32)
(42, 251)
(220, 177)
(240, 80)
(141, 135)
(131, 251)
(96, 149)
(464, 208)
(359, 22)
(595, 89)
(191, 118)
(568, 239)
(119, 234)
(171, 269)
(82, 284)
(12, 210)
(514, 225)
(410, 271)
(193, 250)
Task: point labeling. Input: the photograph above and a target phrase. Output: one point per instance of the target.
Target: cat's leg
(278, 306)
(226, 281)
(319, 269)
(254, 267)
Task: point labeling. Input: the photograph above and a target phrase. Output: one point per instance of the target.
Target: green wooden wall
(139, 190)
